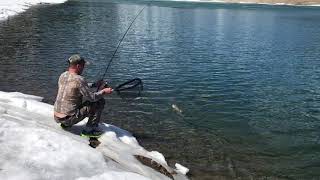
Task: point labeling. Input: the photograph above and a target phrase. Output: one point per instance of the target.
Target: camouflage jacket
(73, 90)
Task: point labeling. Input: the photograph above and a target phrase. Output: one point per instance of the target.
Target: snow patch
(117, 175)
(158, 156)
(13, 7)
(33, 146)
(181, 168)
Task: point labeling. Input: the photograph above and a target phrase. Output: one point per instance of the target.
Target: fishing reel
(99, 84)
(106, 85)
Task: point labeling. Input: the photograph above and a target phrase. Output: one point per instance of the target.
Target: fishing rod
(135, 83)
(124, 35)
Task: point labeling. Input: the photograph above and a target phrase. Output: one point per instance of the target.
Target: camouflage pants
(92, 110)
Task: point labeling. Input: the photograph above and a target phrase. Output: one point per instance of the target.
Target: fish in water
(176, 108)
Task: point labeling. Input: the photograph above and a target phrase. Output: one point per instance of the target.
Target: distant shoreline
(279, 2)
(14, 7)
(315, 3)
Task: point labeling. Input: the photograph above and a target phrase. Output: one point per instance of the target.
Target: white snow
(181, 168)
(13, 7)
(33, 146)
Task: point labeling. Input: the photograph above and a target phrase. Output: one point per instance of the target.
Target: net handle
(119, 87)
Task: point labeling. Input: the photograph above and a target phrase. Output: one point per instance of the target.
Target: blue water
(246, 78)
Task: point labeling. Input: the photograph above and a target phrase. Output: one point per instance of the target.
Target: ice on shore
(13, 7)
(33, 146)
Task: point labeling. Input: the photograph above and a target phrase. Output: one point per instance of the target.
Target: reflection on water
(229, 90)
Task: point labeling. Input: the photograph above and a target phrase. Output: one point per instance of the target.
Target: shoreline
(13, 7)
(26, 120)
(306, 4)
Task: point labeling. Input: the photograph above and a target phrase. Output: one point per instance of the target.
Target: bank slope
(33, 146)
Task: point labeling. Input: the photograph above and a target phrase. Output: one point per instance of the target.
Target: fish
(176, 108)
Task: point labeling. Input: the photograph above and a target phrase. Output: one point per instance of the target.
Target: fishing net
(130, 89)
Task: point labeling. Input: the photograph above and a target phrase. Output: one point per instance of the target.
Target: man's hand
(107, 90)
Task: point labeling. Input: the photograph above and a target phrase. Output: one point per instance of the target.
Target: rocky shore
(279, 2)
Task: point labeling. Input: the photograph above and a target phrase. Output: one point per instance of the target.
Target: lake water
(246, 78)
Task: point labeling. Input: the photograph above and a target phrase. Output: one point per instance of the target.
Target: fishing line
(136, 83)
(133, 83)
(135, 86)
(119, 43)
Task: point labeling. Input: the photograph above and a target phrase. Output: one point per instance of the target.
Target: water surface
(246, 78)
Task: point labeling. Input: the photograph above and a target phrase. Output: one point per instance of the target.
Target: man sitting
(75, 101)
